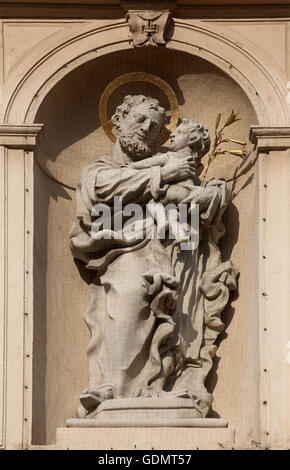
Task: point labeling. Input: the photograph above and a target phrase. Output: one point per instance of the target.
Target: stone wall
(52, 75)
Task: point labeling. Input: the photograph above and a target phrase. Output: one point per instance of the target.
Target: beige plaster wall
(72, 137)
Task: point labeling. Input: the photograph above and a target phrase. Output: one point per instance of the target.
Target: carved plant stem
(219, 140)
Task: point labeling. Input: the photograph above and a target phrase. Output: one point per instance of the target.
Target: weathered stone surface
(148, 27)
(55, 63)
(148, 412)
(163, 301)
(162, 438)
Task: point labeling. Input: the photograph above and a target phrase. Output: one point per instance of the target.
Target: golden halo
(139, 77)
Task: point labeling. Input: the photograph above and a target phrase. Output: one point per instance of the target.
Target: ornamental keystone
(148, 28)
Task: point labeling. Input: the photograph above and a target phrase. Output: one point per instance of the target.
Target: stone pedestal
(149, 438)
(148, 412)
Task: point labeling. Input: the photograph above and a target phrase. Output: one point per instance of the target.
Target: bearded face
(138, 130)
(135, 147)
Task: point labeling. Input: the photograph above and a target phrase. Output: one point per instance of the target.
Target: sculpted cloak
(155, 312)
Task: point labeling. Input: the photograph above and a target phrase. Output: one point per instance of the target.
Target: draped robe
(153, 317)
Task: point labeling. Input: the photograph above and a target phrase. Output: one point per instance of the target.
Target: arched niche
(72, 137)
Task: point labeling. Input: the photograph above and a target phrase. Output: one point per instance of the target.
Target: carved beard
(133, 146)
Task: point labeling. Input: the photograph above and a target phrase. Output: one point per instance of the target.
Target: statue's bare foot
(91, 398)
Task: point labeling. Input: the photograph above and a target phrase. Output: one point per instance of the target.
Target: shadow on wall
(44, 191)
(227, 243)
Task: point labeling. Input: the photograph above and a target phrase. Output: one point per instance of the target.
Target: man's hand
(178, 169)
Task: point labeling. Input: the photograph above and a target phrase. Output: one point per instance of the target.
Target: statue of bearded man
(153, 317)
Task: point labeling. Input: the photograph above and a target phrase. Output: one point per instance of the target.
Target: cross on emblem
(148, 27)
(151, 28)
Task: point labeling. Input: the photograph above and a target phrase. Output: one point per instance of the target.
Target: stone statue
(155, 308)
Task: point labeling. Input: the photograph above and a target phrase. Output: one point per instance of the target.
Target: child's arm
(183, 153)
(157, 160)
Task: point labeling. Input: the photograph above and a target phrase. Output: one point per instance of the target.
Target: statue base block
(146, 438)
(148, 412)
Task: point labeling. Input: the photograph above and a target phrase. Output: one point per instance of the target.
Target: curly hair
(133, 100)
(204, 142)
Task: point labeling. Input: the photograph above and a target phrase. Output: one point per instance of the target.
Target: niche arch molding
(250, 67)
